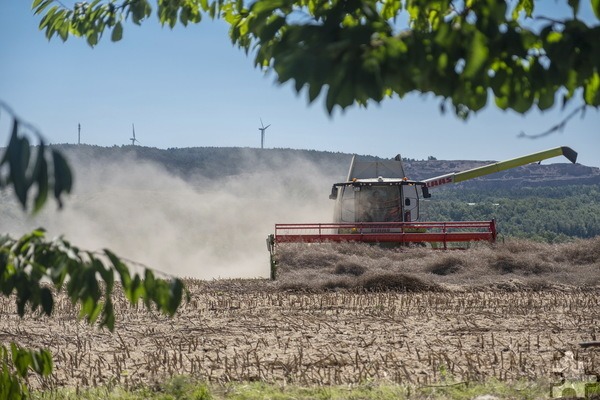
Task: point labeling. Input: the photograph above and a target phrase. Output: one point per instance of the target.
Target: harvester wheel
(272, 258)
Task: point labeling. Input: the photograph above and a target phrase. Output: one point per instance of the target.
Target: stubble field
(347, 325)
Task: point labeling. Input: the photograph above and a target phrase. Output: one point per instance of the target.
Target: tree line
(549, 214)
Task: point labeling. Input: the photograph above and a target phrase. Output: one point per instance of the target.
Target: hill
(217, 162)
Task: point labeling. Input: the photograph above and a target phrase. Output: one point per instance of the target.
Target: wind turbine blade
(261, 124)
(267, 126)
(133, 128)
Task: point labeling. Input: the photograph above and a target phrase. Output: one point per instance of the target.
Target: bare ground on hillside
(426, 328)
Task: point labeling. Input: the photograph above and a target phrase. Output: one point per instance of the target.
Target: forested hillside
(544, 213)
(210, 162)
(219, 162)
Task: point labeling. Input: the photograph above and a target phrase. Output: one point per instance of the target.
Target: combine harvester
(378, 204)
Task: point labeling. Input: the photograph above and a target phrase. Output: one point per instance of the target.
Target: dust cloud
(200, 228)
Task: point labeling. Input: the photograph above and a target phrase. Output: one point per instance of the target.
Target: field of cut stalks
(513, 265)
(348, 315)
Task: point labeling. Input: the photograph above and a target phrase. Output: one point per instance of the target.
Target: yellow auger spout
(456, 177)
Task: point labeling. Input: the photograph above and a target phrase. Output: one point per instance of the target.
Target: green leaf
(87, 306)
(149, 286)
(21, 359)
(596, 8)
(176, 296)
(137, 10)
(40, 177)
(63, 179)
(574, 4)
(45, 360)
(592, 90)
(41, 362)
(522, 104)
(523, 5)
(95, 312)
(314, 90)
(106, 274)
(108, 315)
(271, 29)
(121, 268)
(184, 16)
(267, 7)
(501, 102)
(546, 99)
(134, 290)
(92, 39)
(40, 5)
(117, 32)
(390, 9)
(23, 293)
(47, 19)
(477, 55)
(17, 155)
(47, 300)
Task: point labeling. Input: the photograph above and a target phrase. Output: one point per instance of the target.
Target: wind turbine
(262, 134)
(133, 139)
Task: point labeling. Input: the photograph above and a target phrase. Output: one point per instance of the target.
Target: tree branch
(22, 123)
(556, 128)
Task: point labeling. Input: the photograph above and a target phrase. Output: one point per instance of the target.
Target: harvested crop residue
(442, 318)
(520, 264)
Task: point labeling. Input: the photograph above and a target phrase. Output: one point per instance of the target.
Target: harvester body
(378, 204)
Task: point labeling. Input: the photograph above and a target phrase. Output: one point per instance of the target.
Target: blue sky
(190, 87)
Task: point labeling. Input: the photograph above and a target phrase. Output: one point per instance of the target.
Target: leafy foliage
(365, 50)
(27, 261)
(20, 361)
(48, 170)
(31, 266)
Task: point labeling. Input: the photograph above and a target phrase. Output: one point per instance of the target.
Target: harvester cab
(379, 204)
(377, 191)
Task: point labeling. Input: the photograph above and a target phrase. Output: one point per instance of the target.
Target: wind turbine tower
(262, 134)
(133, 139)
